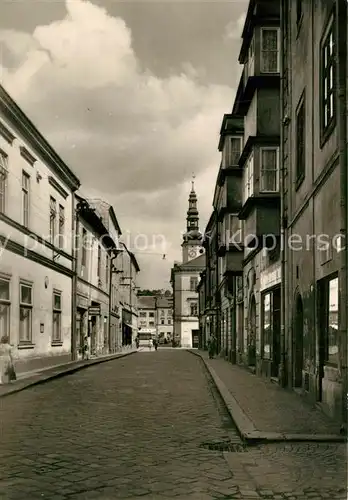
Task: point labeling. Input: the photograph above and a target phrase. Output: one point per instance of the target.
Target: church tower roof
(192, 219)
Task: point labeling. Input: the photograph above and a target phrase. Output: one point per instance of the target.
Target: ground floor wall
(35, 309)
(183, 332)
(92, 319)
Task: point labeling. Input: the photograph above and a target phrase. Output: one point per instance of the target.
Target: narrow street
(141, 427)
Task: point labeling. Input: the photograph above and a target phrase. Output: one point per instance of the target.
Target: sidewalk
(35, 377)
(263, 411)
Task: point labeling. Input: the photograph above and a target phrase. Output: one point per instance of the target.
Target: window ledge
(56, 343)
(25, 345)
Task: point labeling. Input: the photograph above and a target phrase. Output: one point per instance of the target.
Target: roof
(149, 302)
(196, 264)
(39, 144)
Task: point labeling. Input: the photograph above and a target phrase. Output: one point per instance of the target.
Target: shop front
(270, 323)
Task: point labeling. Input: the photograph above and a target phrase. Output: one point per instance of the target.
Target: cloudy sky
(131, 95)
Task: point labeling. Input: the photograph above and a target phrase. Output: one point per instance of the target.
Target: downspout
(341, 37)
(283, 222)
(75, 243)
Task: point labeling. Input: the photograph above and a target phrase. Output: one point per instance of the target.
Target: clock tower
(192, 240)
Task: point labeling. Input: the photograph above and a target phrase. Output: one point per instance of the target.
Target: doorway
(298, 337)
(252, 332)
(276, 348)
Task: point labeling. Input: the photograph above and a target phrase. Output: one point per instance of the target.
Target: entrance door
(298, 336)
(276, 353)
(252, 332)
(195, 338)
(93, 334)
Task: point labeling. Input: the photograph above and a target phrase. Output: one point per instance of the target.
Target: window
(162, 321)
(232, 151)
(84, 249)
(25, 313)
(3, 179)
(169, 321)
(270, 50)
(300, 142)
(107, 270)
(25, 198)
(249, 178)
(328, 78)
(4, 307)
(53, 215)
(332, 351)
(142, 314)
(151, 323)
(57, 317)
(151, 315)
(61, 226)
(267, 325)
(162, 312)
(269, 170)
(193, 309)
(99, 263)
(193, 284)
(234, 228)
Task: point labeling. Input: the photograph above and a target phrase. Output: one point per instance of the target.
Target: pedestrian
(155, 343)
(86, 348)
(7, 370)
(212, 346)
(137, 342)
(150, 344)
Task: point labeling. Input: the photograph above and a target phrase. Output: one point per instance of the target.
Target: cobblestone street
(142, 426)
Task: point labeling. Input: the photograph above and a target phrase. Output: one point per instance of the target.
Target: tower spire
(192, 218)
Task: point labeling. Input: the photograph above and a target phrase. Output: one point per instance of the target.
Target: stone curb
(246, 427)
(42, 377)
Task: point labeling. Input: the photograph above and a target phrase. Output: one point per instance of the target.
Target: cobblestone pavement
(134, 427)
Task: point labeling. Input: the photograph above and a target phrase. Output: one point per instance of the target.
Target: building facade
(128, 266)
(314, 158)
(36, 227)
(96, 244)
(156, 312)
(184, 280)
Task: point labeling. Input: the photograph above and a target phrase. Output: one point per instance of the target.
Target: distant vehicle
(145, 334)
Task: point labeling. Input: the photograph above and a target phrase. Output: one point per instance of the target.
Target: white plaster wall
(17, 268)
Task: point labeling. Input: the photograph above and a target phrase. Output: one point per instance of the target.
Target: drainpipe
(75, 243)
(341, 37)
(283, 222)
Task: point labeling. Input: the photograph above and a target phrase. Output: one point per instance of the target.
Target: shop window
(267, 325)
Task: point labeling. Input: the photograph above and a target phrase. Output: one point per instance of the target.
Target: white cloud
(130, 136)
(234, 29)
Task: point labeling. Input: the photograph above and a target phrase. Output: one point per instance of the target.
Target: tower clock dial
(192, 253)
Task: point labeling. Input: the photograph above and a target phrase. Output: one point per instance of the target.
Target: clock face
(192, 252)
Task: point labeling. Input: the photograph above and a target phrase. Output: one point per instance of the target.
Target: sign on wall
(270, 277)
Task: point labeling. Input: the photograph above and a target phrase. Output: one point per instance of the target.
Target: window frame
(7, 304)
(27, 306)
(269, 356)
(248, 178)
(3, 180)
(262, 70)
(83, 248)
(300, 173)
(193, 305)
(56, 312)
(53, 219)
(228, 150)
(193, 283)
(25, 199)
(61, 225)
(269, 148)
(330, 28)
